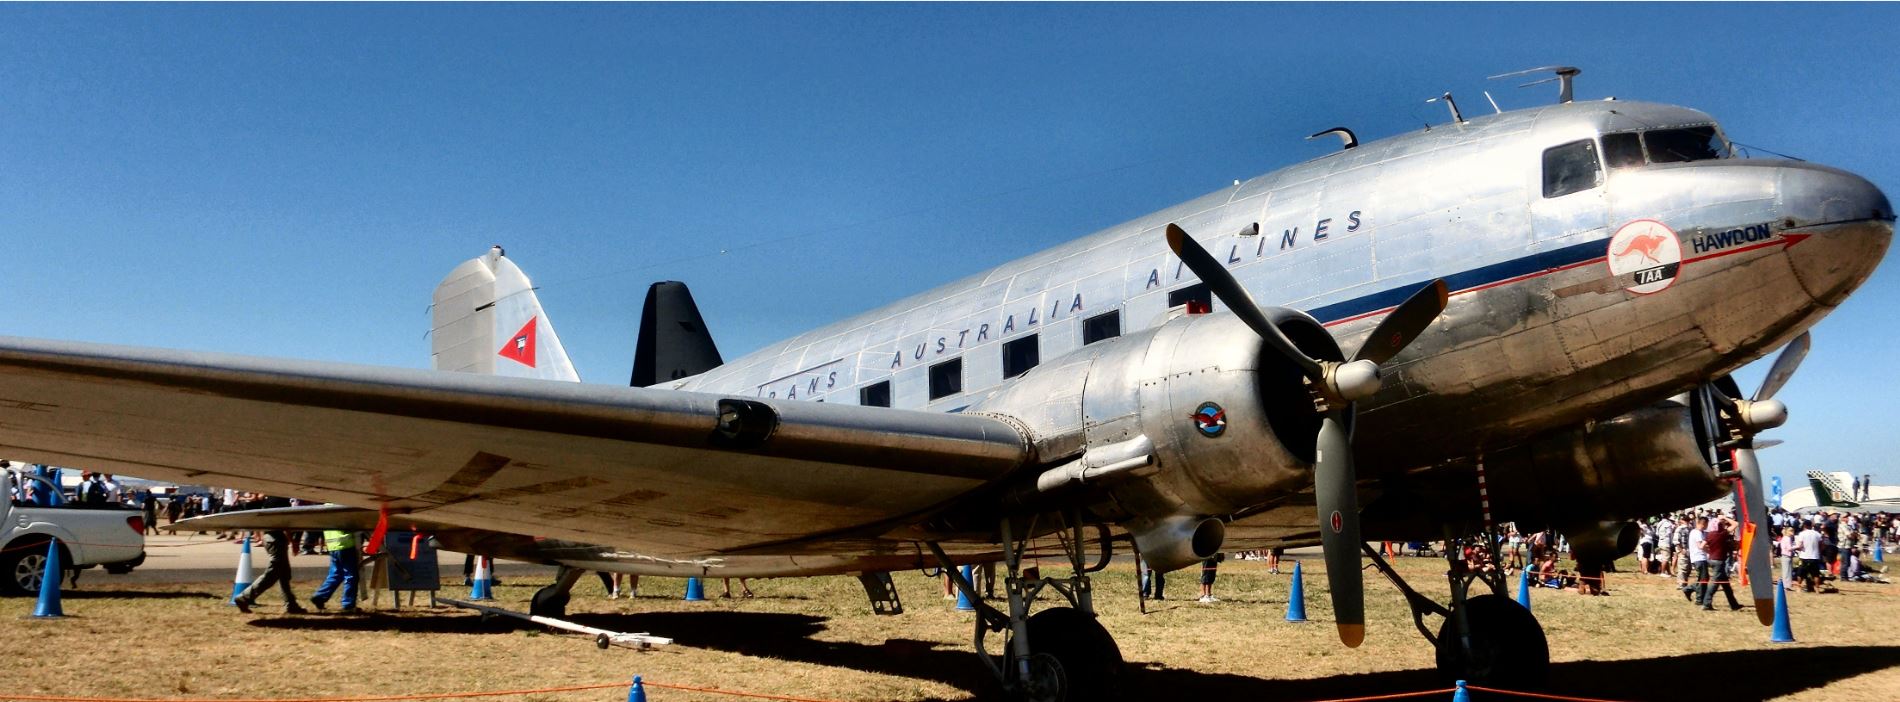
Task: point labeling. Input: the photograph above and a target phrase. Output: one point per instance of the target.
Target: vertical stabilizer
(1828, 490)
(487, 320)
(673, 340)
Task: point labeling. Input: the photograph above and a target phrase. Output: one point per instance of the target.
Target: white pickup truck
(113, 537)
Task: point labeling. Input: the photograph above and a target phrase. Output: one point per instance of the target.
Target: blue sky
(292, 180)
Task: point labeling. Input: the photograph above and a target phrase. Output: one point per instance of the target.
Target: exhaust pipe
(1176, 542)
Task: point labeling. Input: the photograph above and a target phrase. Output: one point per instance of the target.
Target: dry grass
(815, 638)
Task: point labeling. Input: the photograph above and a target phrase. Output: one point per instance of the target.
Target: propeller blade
(1230, 292)
(1767, 444)
(1405, 323)
(1335, 490)
(1783, 369)
(1749, 494)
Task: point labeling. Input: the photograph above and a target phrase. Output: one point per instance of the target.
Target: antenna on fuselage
(1566, 77)
(1345, 136)
(1494, 103)
(1456, 116)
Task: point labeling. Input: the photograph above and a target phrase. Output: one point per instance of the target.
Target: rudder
(486, 319)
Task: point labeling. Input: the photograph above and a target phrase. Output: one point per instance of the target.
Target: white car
(112, 537)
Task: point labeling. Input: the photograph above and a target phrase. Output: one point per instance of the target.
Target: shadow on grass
(1745, 674)
(135, 595)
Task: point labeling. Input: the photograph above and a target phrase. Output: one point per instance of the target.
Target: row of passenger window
(1025, 352)
(1019, 355)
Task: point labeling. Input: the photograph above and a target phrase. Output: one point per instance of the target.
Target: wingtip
(1352, 634)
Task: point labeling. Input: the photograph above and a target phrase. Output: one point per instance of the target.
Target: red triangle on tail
(520, 347)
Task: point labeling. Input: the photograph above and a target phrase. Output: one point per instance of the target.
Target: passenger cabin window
(1020, 355)
(877, 394)
(1571, 168)
(1685, 144)
(946, 379)
(1197, 298)
(1623, 150)
(1107, 325)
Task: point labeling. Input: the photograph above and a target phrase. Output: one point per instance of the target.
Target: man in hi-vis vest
(343, 566)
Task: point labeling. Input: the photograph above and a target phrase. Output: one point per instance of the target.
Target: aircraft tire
(1088, 661)
(549, 602)
(1508, 649)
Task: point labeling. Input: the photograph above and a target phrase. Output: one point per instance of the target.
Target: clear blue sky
(292, 180)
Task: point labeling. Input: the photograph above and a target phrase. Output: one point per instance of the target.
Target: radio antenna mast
(1453, 104)
(1565, 77)
(1345, 136)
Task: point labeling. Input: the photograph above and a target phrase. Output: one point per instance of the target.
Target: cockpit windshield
(1684, 144)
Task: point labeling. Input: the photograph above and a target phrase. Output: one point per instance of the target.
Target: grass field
(816, 638)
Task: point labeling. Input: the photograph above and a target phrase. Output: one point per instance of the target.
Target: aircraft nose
(1816, 195)
(1844, 224)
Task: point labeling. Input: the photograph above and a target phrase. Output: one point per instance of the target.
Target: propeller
(1337, 385)
(1745, 419)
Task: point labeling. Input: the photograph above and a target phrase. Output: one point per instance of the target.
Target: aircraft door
(1567, 201)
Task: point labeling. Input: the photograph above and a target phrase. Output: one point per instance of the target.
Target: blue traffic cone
(1296, 600)
(1784, 632)
(244, 573)
(1524, 588)
(637, 693)
(1461, 694)
(482, 586)
(48, 606)
(963, 598)
(695, 592)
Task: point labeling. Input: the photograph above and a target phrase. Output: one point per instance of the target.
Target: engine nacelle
(1646, 462)
(1230, 424)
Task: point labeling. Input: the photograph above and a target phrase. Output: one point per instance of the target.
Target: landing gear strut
(1488, 639)
(1058, 654)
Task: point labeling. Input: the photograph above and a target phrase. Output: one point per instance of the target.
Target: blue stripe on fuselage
(1466, 280)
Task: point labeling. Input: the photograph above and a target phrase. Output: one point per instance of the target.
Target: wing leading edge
(638, 468)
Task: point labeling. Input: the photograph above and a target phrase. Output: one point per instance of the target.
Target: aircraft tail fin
(487, 319)
(1828, 491)
(674, 342)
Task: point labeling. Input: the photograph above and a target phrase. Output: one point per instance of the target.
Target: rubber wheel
(549, 602)
(22, 567)
(1508, 649)
(1088, 662)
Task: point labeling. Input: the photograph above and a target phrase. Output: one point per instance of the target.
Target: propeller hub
(1356, 380)
(1764, 414)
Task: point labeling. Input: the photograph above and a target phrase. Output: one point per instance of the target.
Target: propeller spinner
(1337, 385)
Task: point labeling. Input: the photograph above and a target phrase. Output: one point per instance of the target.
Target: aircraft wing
(667, 473)
(306, 517)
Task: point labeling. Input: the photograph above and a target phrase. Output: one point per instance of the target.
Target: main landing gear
(1489, 639)
(1060, 653)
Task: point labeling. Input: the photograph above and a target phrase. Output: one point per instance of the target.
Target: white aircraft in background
(1527, 316)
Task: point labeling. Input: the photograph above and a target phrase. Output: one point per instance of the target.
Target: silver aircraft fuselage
(1538, 333)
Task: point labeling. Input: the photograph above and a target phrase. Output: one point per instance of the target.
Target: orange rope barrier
(1537, 695)
(1400, 695)
(377, 698)
(717, 691)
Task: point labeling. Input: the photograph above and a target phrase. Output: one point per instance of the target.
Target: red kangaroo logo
(1645, 244)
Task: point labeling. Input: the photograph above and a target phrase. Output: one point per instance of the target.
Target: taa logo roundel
(1646, 255)
(1210, 420)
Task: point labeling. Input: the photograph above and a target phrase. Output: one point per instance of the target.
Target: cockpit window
(1685, 144)
(1623, 150)
(1571, 168)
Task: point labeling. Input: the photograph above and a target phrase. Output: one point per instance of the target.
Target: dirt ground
(816, 639)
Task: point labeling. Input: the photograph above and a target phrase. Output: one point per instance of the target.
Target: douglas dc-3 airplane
(1528, 316)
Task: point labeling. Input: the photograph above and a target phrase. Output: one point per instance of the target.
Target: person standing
(1698, 559)
(345, 563)
(1786, 546)
(1717, 545)
(1154, 583)
(1209, 568)
(277, 544)
(150, 507)
(1807, 546)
